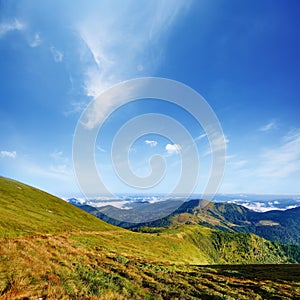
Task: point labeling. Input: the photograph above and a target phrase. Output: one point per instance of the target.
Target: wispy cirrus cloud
(218, 142)
(35, 41)
(100, 149)
(9, 154)
(200, 137)
(57, 55)
(151, 143)
(60, 164)
(269, 168)
(269, 126)
(58, 156)
(13, 25)
(52, 171)
(121, 44)
(133, 31)
(283, 160)
(236, 164)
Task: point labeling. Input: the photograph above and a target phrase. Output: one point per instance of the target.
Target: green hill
(25, 210)
(276, 225)
(49, 248)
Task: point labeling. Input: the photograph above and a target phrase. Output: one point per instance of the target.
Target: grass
(50, 249)
(26, 210)
(59, 267)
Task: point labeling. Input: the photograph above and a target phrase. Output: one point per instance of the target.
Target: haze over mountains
(256, 202)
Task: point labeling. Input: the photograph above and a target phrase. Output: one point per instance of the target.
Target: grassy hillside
(64, 267)
(50, 248)
(25, 210)
(276, 225)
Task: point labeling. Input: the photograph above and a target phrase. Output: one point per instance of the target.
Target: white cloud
(237, 164)
(269, 170)
(57, 55)
(118, 44)
(59, 167)
(200, 137)
(173, 148)
(218, 142)
(12, 154)
(151, 143)
(57, 155)
(259, 206)
(230, 157)
(269, 126)
(291, 206)
(58, 170)
(101, 149)
(36, 41)
(14, 25)
(283, 160)
(99, 110)
(60, 162)
(75, 107)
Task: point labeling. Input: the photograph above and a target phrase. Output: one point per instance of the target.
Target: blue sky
(241, 56)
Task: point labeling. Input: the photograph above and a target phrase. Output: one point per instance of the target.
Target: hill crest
(26, 210)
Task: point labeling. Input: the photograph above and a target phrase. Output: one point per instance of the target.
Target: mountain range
(276, 225)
